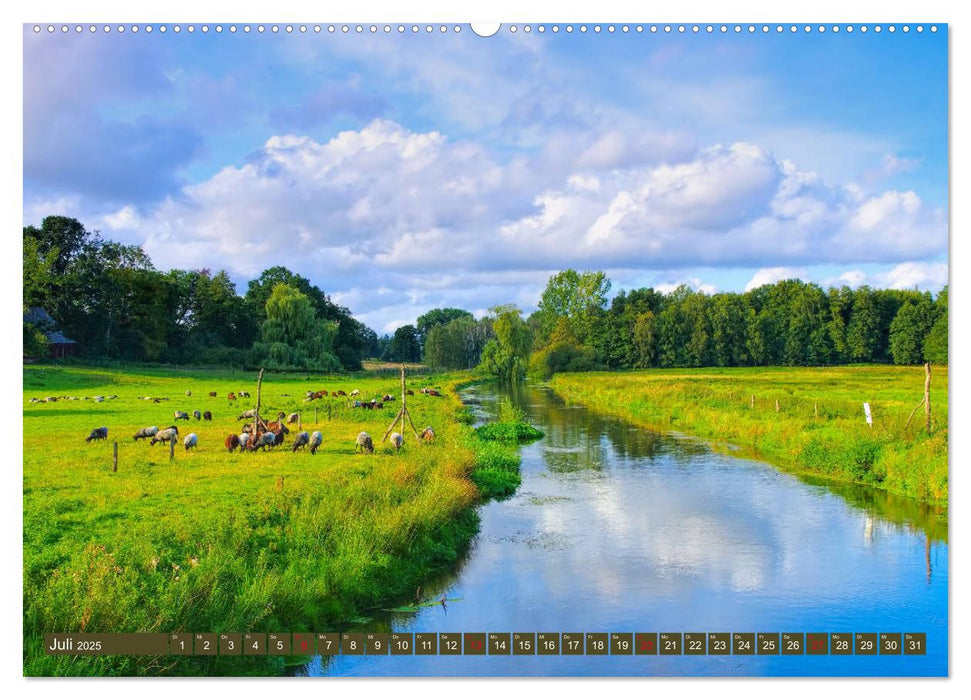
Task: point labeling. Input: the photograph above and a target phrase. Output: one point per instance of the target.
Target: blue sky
(401, 172)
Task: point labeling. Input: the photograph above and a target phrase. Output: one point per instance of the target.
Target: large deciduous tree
(404, 345)
(935, 345)
(909, 330)
(437, 317)
(578, 297)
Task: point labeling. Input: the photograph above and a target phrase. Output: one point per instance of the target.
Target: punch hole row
(710, 29)
(248, 29)
(513, 29)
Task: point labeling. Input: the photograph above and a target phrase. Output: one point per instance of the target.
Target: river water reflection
(620, 529)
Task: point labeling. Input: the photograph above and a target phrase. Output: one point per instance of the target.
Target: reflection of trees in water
(588, 430)
(579, 439)
(897, 511)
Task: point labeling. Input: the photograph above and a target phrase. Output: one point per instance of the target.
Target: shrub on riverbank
(802, 419)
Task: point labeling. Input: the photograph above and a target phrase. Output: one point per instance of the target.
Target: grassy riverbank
(209, 541)
(819, 427)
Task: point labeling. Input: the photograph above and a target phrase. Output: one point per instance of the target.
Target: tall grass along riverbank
(212, 541)
(807, 420)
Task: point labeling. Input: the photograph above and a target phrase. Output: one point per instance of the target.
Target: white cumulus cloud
(445, 222)
(771, 275)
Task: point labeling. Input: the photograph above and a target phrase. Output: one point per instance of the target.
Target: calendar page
(519, 350)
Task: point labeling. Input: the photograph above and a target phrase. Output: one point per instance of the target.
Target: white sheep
(397, 440)
(146, 433)
(364, 443)
(167, 435)
(191, 440)
(315, 439)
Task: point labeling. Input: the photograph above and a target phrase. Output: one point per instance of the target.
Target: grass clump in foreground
(208, 542)
(819, 427)
(512, 426)
(497, 473)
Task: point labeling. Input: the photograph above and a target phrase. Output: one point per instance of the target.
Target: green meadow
(213, 541)
(805, 420)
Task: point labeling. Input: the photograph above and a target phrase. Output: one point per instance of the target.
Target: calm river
(619, 529)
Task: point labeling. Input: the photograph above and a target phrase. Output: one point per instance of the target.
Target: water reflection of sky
(620, 529)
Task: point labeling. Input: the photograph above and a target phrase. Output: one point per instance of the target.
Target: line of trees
(790, 322)
(109, 298)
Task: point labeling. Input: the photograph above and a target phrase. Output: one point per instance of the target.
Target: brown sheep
(231, 396)
(212, 394)
(207, 415)
(278, 426)
(232, 441)
(428, 435)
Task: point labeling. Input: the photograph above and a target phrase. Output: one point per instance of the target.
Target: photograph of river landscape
(338, 339)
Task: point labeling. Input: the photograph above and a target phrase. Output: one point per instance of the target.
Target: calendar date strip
(490, 644)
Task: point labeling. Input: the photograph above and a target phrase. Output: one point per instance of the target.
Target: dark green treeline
(109, 298)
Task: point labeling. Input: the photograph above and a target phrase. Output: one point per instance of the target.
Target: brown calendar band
(133, 644)
(487, 644)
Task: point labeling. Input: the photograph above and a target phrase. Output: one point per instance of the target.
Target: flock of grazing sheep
(259, 434)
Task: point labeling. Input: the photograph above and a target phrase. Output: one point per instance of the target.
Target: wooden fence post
(259, 391)
(752, 403)
(279, 483)
(815, 411)
(115, 467)
(777, 405)
(172, 449)
(315, 415)
(927, 396)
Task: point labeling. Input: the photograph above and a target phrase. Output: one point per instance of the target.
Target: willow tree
(507, 355)
(292, 336)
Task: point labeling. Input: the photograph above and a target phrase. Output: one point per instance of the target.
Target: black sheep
(97, 434)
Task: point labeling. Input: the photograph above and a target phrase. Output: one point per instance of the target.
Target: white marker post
(869, 416)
